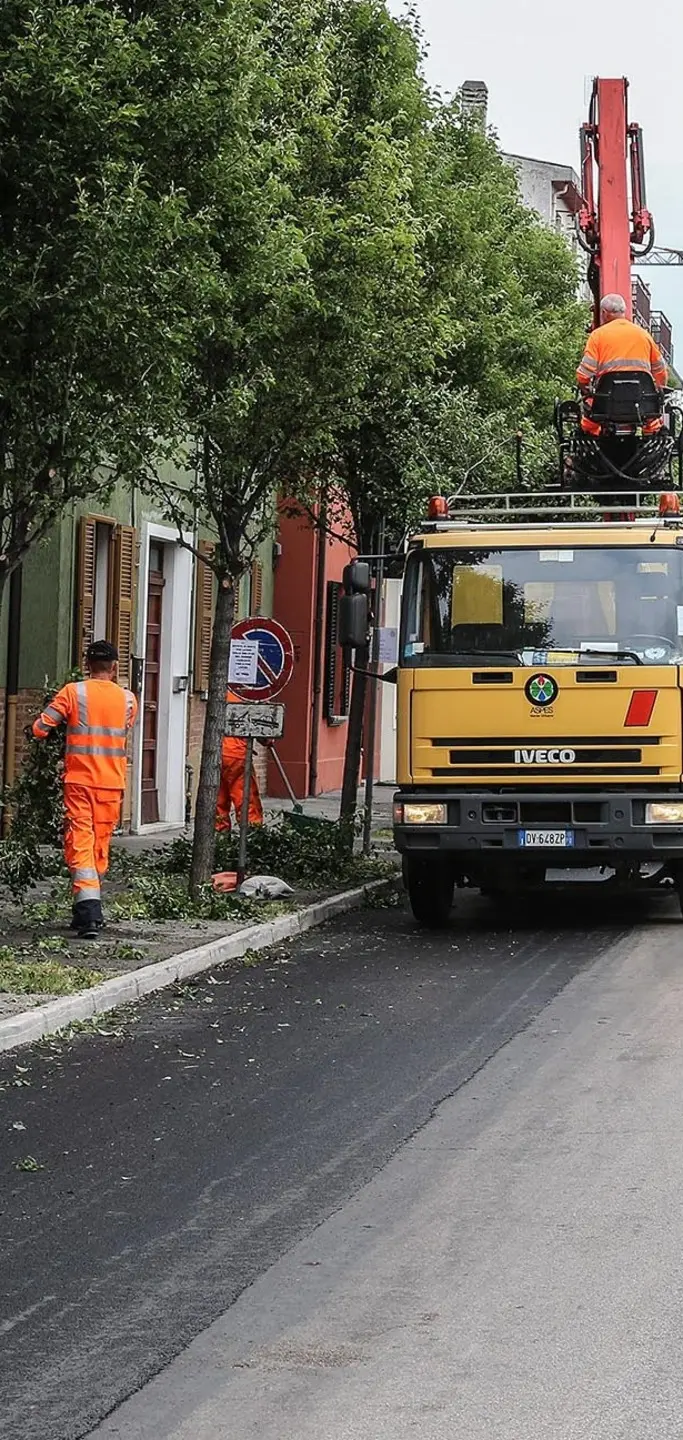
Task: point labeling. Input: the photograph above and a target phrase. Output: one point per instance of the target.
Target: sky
(538, 58)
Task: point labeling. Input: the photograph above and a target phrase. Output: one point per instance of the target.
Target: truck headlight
(664, 812)
(424, 814)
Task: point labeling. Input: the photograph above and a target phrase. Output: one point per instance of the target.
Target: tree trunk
(354, 742)
(204, 842)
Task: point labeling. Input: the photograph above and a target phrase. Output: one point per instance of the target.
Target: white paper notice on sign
(243, 666)
(388, 645)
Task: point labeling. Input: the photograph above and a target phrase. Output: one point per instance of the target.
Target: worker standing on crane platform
(617, 344)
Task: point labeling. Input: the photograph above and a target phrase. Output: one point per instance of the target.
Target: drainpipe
(12, 688)
(374, 697)
(191, 698)
(318, 640)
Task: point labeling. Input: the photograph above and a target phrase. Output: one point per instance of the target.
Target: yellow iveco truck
(540, 696)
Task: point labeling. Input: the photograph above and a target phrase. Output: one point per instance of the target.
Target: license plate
(546, 839)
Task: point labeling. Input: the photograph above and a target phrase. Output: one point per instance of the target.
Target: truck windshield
(530, 606)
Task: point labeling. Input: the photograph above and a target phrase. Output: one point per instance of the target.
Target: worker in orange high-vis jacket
(231, 792)
(98, 713)
(618, 344)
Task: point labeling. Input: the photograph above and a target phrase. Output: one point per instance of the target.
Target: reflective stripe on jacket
(98, 715)
(621, 345)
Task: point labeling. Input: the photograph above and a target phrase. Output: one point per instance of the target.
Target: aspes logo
(541, 690)
(545, 757)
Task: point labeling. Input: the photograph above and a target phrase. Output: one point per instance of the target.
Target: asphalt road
(183, 1158)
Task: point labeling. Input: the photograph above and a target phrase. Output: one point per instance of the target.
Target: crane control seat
(624, 401)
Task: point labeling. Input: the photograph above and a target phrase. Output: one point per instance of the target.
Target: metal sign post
(251, 722)
(244, 816)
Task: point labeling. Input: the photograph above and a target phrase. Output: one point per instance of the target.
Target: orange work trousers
(231, 791)
(91, 819)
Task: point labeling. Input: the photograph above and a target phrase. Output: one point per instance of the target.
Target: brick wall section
(29, 705)
(261, 768)
(195, 732)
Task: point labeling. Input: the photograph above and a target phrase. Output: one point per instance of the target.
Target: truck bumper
(482, 830)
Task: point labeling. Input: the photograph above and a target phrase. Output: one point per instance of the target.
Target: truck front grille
(607, 755)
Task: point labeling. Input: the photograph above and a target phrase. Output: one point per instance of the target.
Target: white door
(171, 681)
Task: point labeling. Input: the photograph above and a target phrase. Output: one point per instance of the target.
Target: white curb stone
(45, 1019)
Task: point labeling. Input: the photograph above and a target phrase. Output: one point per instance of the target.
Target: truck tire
(430, 882)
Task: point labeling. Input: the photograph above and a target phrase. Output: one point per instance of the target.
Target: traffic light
(354, 606)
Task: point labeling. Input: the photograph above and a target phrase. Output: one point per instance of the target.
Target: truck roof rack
(552, 506)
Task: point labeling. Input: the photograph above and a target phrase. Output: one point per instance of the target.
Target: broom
(296, 816)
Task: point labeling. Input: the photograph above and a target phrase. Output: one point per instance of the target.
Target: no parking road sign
(275, 662)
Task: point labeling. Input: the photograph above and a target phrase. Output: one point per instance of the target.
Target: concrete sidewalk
(137, 953)
(27, 1018)
(326, 807)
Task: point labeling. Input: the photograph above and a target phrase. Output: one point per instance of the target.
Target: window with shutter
(203, 629)
(256, 596)
(85, 618)
(123, 591)
(337, 671)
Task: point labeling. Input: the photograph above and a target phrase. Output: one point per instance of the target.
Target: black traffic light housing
(354, 606)
(356, 578)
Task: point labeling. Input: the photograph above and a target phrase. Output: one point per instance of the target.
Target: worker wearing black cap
(98, 714)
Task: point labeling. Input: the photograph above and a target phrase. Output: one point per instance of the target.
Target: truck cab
(539, 719)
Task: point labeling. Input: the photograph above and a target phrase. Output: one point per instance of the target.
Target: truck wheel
(676, 874)
(430, 883)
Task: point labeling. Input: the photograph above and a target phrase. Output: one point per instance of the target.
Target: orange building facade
(307, 586)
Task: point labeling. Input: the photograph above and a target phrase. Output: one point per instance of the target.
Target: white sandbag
(265, 887)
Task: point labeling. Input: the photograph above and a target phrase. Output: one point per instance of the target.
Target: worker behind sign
(231, 792)
(618, 345)
(98, 714)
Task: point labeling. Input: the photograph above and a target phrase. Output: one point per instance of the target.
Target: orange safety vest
(621, 345)
(98, 715)
(233, 748)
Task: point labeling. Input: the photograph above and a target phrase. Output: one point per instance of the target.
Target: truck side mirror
(353, 621)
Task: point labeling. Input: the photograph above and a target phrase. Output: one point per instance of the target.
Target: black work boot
(87, 919)
(76, 922)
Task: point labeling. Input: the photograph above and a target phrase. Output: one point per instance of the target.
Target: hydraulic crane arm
(660, 255)
(614, 228)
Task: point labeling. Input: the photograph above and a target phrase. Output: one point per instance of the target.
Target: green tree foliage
(94, 301)
(508, 282)
(247, 226)
(378, 305)
(312, 242)
(476, 351)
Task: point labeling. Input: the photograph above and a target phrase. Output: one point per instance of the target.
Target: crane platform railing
(552, 506)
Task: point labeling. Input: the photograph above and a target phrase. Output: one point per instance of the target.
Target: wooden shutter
(85, 609)
(337, 668)
(124, 599)
(256, 599)
(203, 620)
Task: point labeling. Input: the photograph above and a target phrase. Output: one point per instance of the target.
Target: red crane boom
(615, 226)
